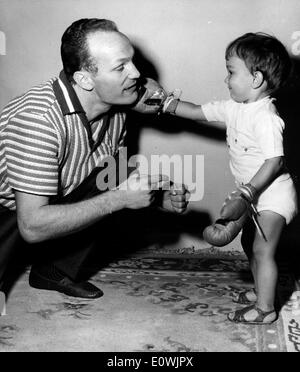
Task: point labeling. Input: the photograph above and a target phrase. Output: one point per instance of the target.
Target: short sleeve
(31, 153)
(215, 111)
(268, 131)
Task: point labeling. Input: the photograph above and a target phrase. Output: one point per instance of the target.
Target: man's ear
(83, 79)
(258, 79)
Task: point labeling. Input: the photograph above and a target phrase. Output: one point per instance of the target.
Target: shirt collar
(70, 104)
(66, 96)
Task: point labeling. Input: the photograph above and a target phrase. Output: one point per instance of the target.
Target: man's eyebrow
(124, 59)
(120, 61)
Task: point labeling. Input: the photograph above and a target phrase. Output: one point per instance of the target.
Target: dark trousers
(10, 238)
(68, 253)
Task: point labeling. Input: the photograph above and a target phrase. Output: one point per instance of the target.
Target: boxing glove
(238, 202)
(150, 97)
(234, 213)
(222, 232)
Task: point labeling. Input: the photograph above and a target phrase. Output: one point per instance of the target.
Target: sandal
(238, 316)
(243, 299)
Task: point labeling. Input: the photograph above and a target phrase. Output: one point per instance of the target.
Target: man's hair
(264, 53)
(75, 52)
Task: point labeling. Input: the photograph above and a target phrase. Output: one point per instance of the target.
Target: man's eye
(120, 68)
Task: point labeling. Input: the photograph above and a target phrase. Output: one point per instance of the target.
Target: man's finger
(179, 203)
(179, 190)
(156, 178)
(179, 210)
(154, 182)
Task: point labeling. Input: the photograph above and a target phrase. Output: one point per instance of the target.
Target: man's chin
(129, 97)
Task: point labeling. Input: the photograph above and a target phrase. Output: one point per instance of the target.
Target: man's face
(115, 81)
(239, 79)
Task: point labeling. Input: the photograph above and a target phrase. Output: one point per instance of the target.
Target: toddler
(258, 65)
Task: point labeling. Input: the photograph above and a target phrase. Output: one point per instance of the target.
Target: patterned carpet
(156, 303)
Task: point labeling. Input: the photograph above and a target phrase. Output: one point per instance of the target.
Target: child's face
(239, 79)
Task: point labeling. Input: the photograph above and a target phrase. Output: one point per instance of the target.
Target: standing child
(258, 65)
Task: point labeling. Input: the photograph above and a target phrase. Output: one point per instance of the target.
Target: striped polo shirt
(47, 145)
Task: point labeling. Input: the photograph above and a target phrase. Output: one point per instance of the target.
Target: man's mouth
(131, 87)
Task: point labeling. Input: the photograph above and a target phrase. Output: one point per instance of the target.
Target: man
(52, 140)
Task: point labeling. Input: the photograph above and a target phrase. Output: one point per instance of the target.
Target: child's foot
(252, 315)
(246, 297)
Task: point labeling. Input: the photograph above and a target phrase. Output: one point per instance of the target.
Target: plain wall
(183, 41)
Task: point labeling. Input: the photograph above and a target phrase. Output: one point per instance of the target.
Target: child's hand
(239, 202)
(152, 96)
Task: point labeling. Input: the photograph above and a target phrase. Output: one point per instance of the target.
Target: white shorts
(280, 197)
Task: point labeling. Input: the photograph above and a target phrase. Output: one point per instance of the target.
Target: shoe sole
(252, 323)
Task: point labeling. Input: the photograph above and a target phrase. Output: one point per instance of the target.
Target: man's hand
(176, 199)
(138, 191)
(153, 95)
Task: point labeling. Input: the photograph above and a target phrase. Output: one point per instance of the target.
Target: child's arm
(268, 134)
(186, 110)
(267, 173)
(236, 207)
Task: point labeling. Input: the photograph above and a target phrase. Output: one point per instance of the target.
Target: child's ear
(84, 80)
(258, 79)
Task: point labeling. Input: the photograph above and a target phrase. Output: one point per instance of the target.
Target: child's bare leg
(247, 240)
(265, 267)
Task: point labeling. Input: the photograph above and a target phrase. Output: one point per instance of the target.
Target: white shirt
(254, 133)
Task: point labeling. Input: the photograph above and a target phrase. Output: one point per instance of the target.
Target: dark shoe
(64, 285)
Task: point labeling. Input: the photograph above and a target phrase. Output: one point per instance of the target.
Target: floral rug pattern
(156, 304)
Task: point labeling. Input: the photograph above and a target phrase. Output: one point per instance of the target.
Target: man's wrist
(115, 201)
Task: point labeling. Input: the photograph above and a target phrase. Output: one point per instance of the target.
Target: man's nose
(226, 80)
(134, 72)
